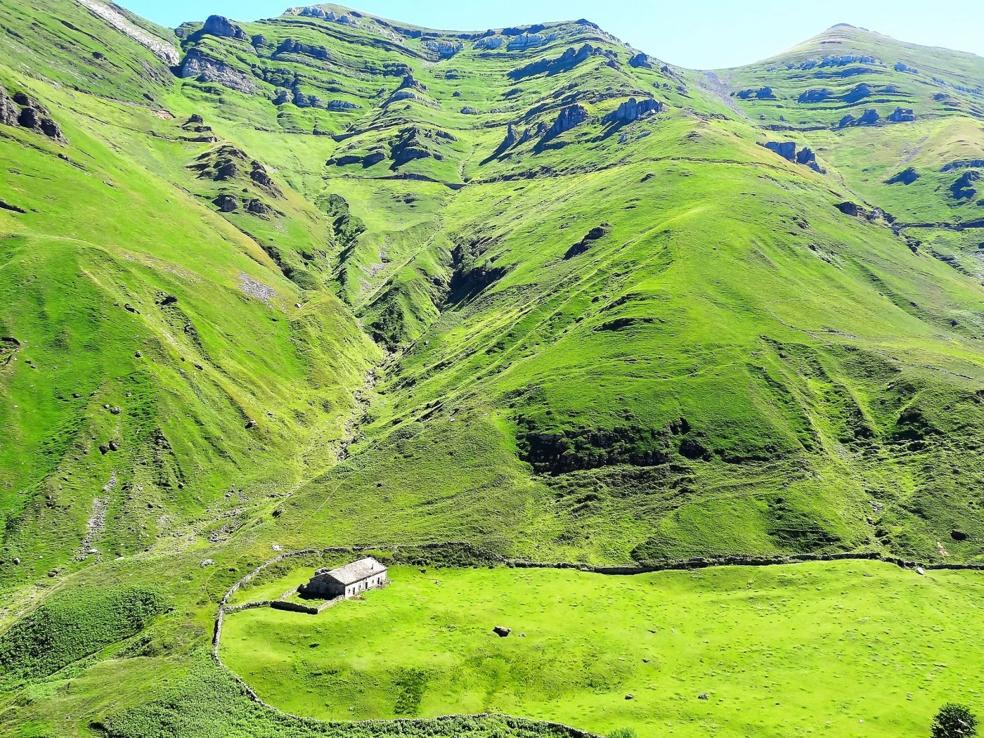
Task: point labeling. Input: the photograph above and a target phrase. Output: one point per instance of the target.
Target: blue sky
(692, 33)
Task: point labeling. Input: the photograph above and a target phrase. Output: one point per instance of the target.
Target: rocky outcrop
(8, 347)
(642, 61)
(837, 61)
(906, 176)
(202, 133)
(197, 65)
(815, 95)
(226, 203)
(762, 93)
(490, 43)
(962, 164)
(788, 151)
(785, 149)
(857, 93)
(529, 41)
(902, 115)
(227, 163)
(469, 278)
(337, 106)
(869, 117)
(26, 112)
(510, 140)
(568, 118)
(258, 207)
(963, 188)
(585, 243)
(259, 175)
(217, 25)
(872, 215)
(368, 160)
(413, 143)
(632, 110)
(9, 112)
(563, 63)
(290, 46)
(808, 158)
(157, 46)
(443, 48)
(328, 15)
(403, 94)
(903, 67)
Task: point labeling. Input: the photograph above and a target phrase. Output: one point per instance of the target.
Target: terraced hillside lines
(693, 654)
(899, 122)
(334, 280)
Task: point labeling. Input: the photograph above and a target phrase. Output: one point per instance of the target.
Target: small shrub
(74, 625)
(954, 721)
(622, 733)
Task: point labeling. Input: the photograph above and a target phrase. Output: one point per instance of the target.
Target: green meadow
(845, 649)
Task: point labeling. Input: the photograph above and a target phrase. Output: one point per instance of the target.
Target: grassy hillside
(329, 279)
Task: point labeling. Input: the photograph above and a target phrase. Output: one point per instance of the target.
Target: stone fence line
(566, 731)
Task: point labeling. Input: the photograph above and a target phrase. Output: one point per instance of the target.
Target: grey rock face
(815, 96)
(868, 118)
(226, 203)
(785, 149)
(902, 115)
(788, 151)
(339, 105)
(762, 93)
(963, 188)
(8, 110)
(327, 15)
(290, 46)
(858, 93)
(402, 94)
(566, 61)
(840, 60)
(632, 110)
(444, 48)
(26, 112)
(206, 69)
(906, 177)
(808, 158)
(643, 61)
(567, 119)
(490, 43)
(529, 41)
(258, 207)
(217, 25)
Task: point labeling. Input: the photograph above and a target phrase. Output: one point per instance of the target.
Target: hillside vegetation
(333, 280)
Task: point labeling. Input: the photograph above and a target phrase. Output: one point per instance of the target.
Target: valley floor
(838, 648)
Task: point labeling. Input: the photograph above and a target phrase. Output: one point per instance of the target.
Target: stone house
(346, 581)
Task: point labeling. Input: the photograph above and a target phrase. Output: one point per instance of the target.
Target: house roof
(356, 571)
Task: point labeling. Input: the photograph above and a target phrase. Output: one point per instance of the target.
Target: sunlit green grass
(845, 649)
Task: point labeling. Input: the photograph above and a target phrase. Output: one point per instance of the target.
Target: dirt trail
(97, 521)
(716, 86)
